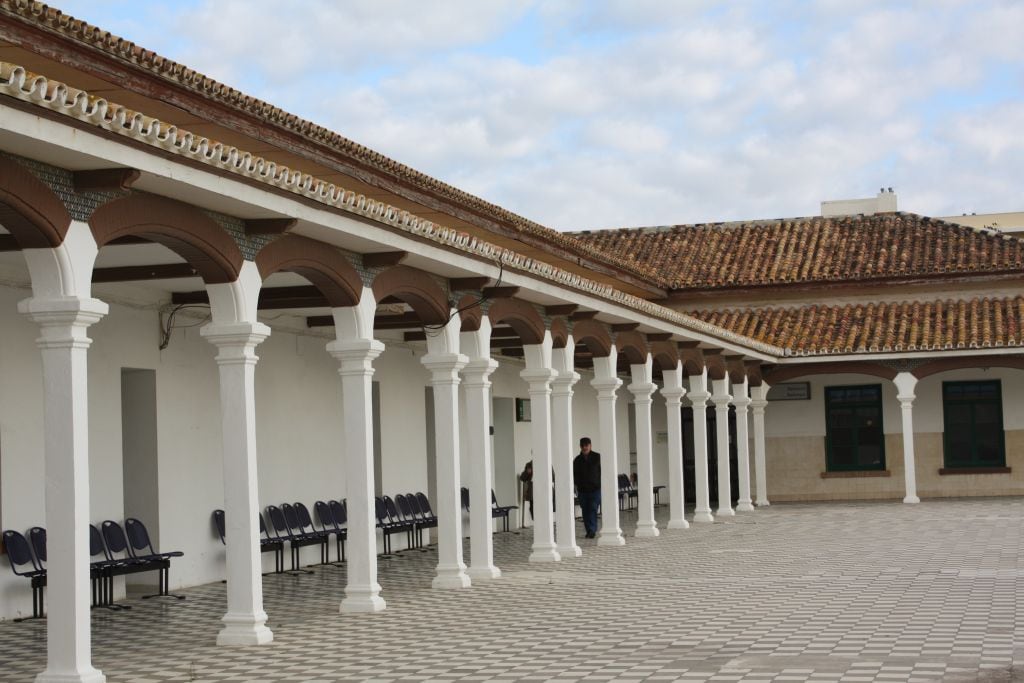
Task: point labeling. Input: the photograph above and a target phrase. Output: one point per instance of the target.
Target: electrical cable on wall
(473, 304)
(167, 326)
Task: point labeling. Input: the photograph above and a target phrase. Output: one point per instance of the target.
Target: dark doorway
(688, 467)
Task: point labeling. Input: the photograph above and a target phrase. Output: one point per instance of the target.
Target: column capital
(606, 385)
(642, 390)
(444, 366)
(565, 381)
(742, 403)
(758, 404)
(234, 334)
(477, 372)
(699, 397)
(673, 393)
(355, 349)
(63, 320)
(539, 376)
(721, 400)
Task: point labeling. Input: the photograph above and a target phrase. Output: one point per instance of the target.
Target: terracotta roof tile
(806, 250)
(880, 327)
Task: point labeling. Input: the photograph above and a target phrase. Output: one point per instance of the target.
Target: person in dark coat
(586, 472)
(527, 478)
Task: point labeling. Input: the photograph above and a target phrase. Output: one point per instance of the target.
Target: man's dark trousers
(590, 501)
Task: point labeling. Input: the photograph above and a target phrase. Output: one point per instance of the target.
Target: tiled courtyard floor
(815, 592)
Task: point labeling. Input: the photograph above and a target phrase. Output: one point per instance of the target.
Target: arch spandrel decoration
(183, 229)
(665, 355)
(520, 316)
(321, 264)
(783, 373)
(559, 333)
(33, 214)
(593, 336)
(632, 347)
(943, 364)
(416, 288)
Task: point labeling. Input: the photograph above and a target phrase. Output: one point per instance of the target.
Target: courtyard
(795, 592)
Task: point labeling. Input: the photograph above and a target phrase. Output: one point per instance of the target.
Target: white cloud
(645, 112)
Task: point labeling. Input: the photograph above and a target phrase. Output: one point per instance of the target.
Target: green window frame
(972, 424)
(854, 438)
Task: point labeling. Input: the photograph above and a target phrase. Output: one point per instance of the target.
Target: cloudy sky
(587, 114)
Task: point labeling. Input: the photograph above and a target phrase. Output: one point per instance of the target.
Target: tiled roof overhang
(96, 112)
(48, 31)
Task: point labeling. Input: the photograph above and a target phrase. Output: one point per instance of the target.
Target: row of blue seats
(121, 551)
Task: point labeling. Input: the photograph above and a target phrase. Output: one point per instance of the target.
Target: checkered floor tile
(839, 592)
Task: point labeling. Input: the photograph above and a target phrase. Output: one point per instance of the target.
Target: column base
(763, 503)
(611, 538)
(570, 551)
(911, 500)
(744, 506)
(646, 530)
(678, 524)
(89, 676)
(240, 632)
(541, 554)
(483, 573)
(356, 604)
(703, 517)
(451, 580)
(726, 512)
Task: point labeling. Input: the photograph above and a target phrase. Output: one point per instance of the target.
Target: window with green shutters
(972, 416)
(853, 428)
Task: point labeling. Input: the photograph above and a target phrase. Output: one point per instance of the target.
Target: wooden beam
(506, 343)
(384, 259)
(104, 179)
(659, 336)
(624, 327)
(688, 344)
(416, 335)
(381, 322)
(561, 309)
(582, 315)
(463, 283)
(320, 321)
(8, 243)
(197, 297)
(271, 298)
(503, 333)
(165, 271)
(514, 353)
(500, 292)
(269, 226)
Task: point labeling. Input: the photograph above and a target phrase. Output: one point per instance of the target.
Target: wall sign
(790, 391)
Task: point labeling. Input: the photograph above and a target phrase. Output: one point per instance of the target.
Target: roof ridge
(53, 19)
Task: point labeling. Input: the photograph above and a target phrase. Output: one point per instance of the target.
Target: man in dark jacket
(586, 472)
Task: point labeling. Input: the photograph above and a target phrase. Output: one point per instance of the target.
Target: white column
(699, 401)
(235, 333)
(355, 349)
(64, 344)
(758, 404)
(563, 449)
(673, 392)
(741, 400)
(721, 399)
(477, 385)
(905, 383)
(538, 374)
(642, 388)
(62, 307)
(607, 384)
(444, 362)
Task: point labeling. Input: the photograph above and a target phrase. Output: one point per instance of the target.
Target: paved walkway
(849, 592)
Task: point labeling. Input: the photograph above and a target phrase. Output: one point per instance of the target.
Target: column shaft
(562, 456)
(909, 470)
(540, 428)
(477, 387)
(444, 368)
(64, 345)
(245, 620)
(645, 525)
(758, 406)
(610, 533)
(356, 356)
(742, 401)
(721, 399)
(702, 492)
(676, 481)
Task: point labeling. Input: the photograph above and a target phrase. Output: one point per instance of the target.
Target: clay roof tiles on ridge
(806, 250)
